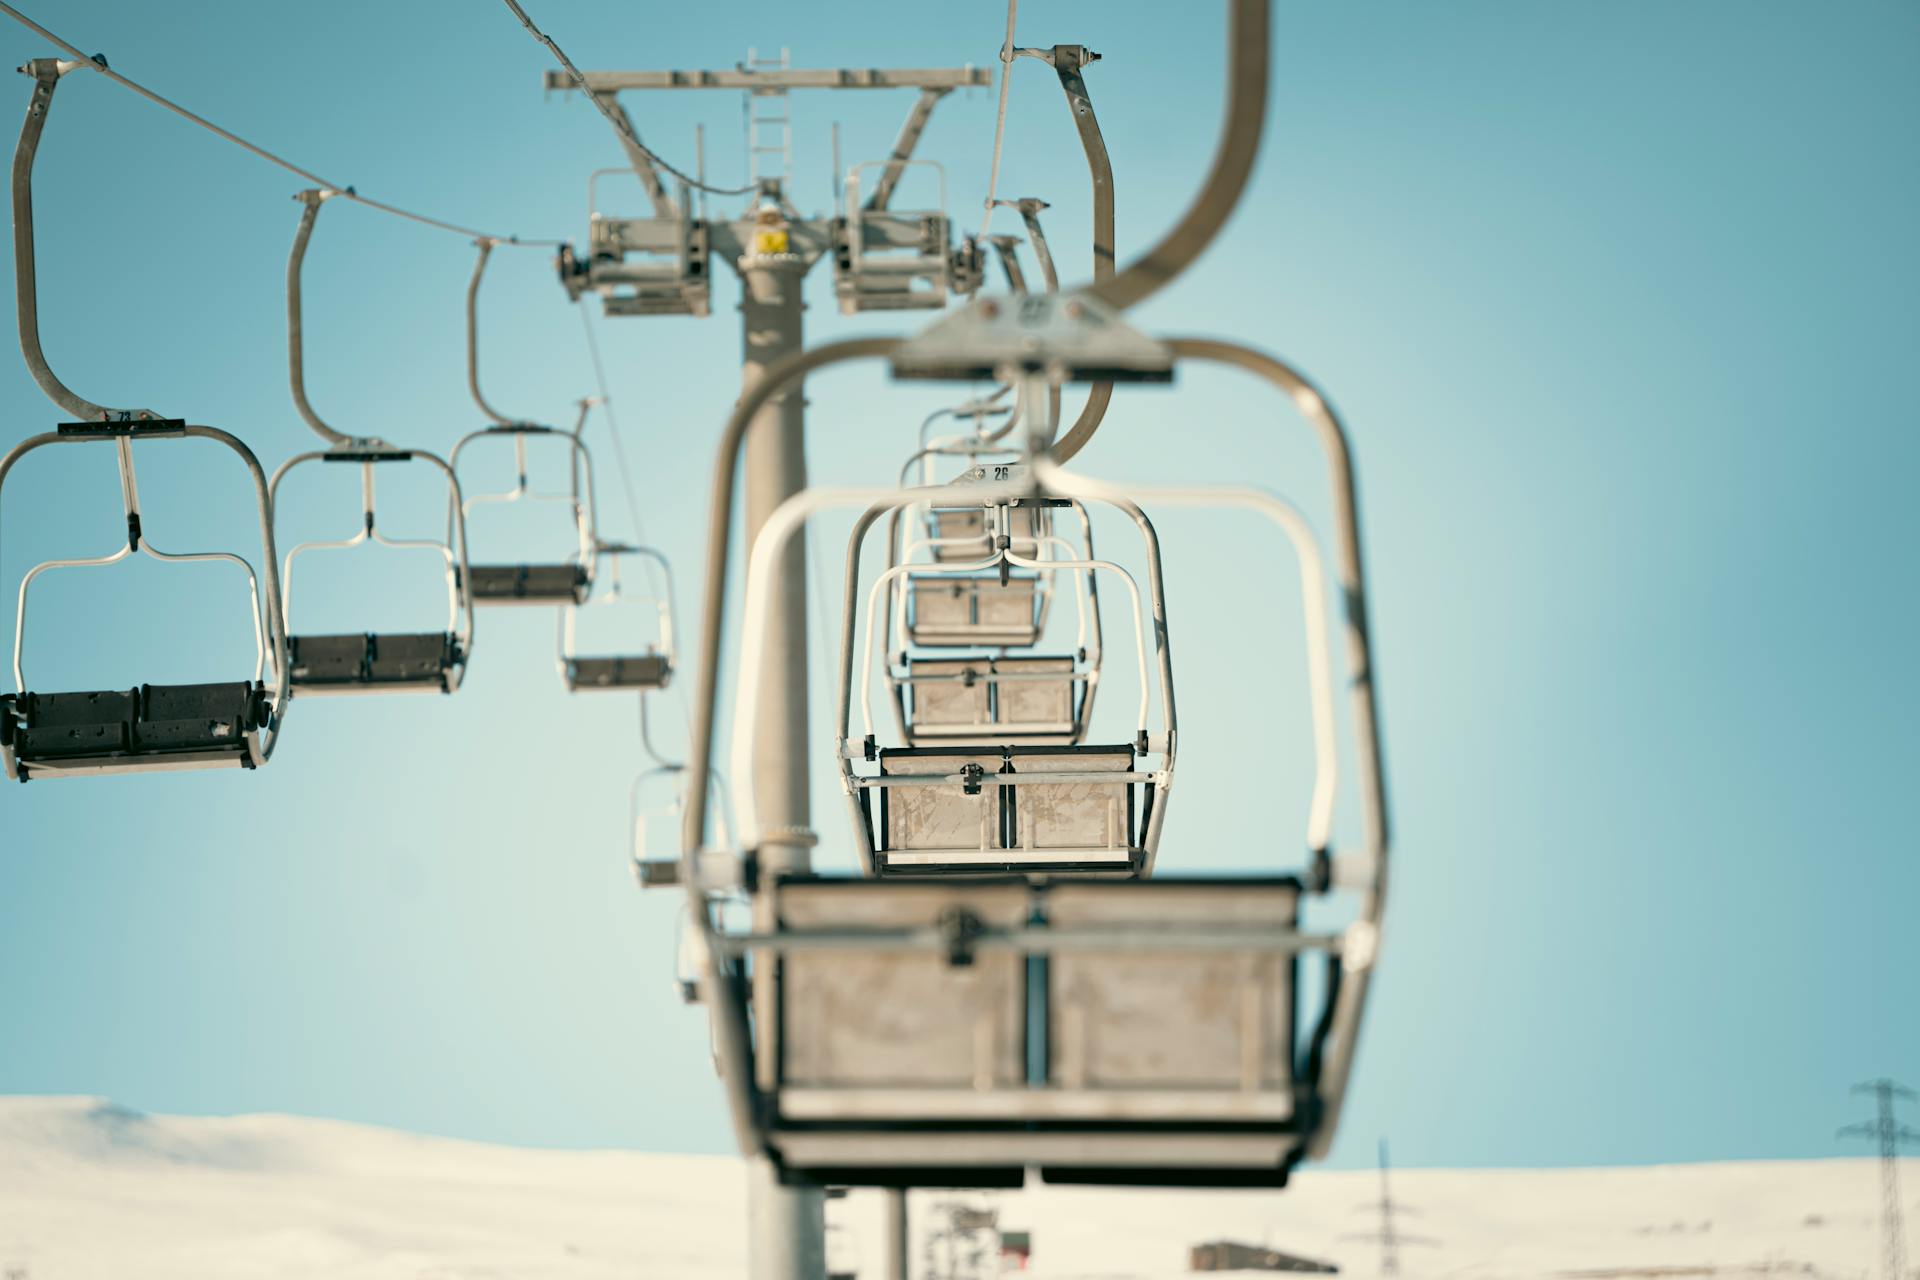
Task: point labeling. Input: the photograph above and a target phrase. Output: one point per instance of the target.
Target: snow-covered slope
(89, 1190)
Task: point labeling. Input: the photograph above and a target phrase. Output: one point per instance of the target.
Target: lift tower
(1891, 1135)
(882, 261)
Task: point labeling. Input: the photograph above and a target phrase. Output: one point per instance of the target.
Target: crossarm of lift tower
(933, 83)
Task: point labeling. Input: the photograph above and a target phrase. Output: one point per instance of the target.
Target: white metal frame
(121, 427)
(580, 502)
(366, 454)
(832, 1138)
(269, 636)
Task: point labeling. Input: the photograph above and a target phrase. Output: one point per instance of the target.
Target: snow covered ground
(90, 1191)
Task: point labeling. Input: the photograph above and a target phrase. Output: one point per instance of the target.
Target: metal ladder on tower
(767, 114)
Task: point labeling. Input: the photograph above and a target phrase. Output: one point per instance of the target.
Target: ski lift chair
(367, 662)
(889, 261)
(150, 727)
(624, 672)
(563, 582)
(658, 266)
(982, 1001)
(381, 662)
(941, 1030)
(879, 1033)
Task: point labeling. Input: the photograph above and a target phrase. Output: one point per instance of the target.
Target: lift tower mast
(1891, 1135)
(772, 248)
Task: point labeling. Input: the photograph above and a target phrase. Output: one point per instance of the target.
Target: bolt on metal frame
(153, 727)
(367, 663)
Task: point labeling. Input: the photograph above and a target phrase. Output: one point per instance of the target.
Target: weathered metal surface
(942, 817)
(854, 1018)
(950, 702)
(1035, 701)
(1172, 1020)
(1072, 815)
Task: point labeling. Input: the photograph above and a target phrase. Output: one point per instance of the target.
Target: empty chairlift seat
(641, 671)
(628, 669)
(151, 728)
(531, 584)
(959, 534)
(363, 662)
(368, 662)
(1008, 809)
(947, 612)
(1137, 1031)
(548, 582)
(565, 581)
(987, 699)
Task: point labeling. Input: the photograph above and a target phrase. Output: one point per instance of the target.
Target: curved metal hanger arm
(473, 338)
(1029, 209)
(1249, 27)
(46, 73)
(1007, 249)
(733, 1040)
(1363, 682)
(1067, 61)
(311, 200)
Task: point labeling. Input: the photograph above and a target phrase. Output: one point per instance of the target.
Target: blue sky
(1617, 300)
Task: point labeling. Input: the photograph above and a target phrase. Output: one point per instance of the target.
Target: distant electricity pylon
(1389, 1236)
(1890, 1133)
